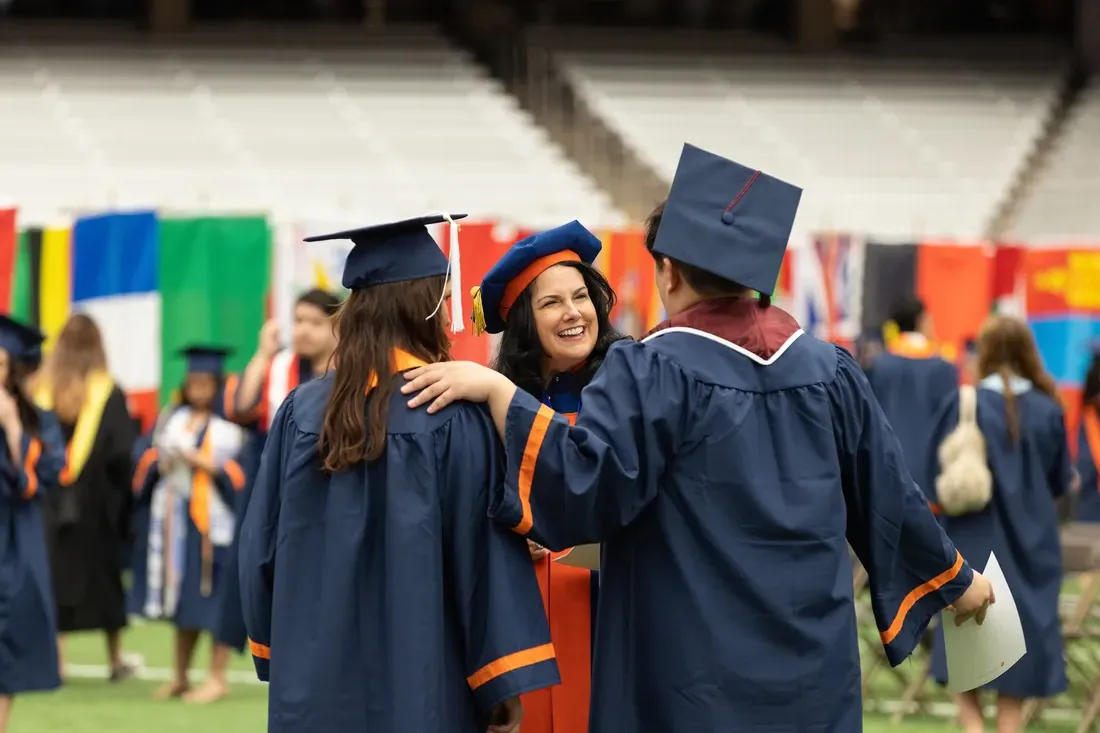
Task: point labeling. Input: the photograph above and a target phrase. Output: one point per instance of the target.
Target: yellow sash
(98, 386)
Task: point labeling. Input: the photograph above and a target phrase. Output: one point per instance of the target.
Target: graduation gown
(204, 565)
(1020, 525)
(911, 382)
(28, 632)
(725, 463)
(284, 373)
(88, 517)
(426, 614)
(1088, 465)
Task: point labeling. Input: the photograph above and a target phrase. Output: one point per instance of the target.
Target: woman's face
(565, 317)
(200, 390)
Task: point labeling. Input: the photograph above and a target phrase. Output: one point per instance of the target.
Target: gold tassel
(479, 311)
(890, 332)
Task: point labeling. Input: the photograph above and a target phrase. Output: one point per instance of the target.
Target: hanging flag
(55, 282)
(114, 280)
(9, 240)
(828, 283)
(213, 274)
(26, 276)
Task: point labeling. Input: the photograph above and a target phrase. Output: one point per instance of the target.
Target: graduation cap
(400, 251)
(726, 219)
(521, 264)
(205, 359)
(23, 343)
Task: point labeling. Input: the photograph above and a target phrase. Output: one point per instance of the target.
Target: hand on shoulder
(438, 385)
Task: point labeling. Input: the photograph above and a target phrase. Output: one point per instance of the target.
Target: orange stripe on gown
(567, 597)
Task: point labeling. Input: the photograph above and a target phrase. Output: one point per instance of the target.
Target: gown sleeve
(505, 633)
(146, 469)
(1061, 473)
(573, 485)
(257, 540)
(41, 459)
(913, 567)
(230, 478)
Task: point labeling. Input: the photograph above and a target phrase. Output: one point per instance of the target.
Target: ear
(675, 279)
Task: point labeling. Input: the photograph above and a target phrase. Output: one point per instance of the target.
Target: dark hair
(219, 380)
(320, 299)
(705, 283)
(369, 326)
(1090, 395)
(907, 314)
(28, 413)
(520, 353)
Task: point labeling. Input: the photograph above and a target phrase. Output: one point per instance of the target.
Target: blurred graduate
(1025, 455)
(377, 594)
(251, 400)
(30, 466)
(725, 462)
(1088, 442)
(911, 381)
(552, 309)
(189, 478)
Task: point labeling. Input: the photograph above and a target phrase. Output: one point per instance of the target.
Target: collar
(740, 321)
(1016, 385)
(402, 362)
(912, 345)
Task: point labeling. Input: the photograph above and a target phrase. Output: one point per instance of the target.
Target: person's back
(378, 596)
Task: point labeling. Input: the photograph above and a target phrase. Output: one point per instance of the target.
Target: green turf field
(90, 704)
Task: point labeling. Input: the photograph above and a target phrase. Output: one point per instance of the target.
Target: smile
(570, 333)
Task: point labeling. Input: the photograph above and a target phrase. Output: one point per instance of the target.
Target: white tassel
(454, 272)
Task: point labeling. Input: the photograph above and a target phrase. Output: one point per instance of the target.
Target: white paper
(977, 655)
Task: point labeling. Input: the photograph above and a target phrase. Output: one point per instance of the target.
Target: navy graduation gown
(28, 626)
(1020, 525)
(1088, 465)
(144, 456)
(197, 607)
(911, 383)
(382, 598)
(724, 488)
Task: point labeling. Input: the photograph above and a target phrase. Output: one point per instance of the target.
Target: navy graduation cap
(400, 251)
(522, 263)
(23, 343)
(726, 219)
(205, 359)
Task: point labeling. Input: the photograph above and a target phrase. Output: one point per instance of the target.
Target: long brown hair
(78, 351)
(1006, 347)
(369, 326)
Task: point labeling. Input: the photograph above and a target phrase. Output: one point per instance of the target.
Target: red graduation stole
(570, 601)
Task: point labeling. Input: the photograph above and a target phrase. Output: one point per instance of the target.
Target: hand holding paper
(981, 652)
(975, 602)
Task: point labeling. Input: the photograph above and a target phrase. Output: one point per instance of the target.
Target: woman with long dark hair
(552, 309)
(188, 478)
(1088, 442)
(88, 524)
(31, 460)
(377, 595)
(1023, 426)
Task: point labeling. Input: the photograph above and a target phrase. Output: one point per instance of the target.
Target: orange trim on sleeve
(232, 382)
(148, 458)
(527, 275)
(259, 650)
(30, 467)
(527, 467)
(571, 417)
(510, 663)
(235, 473)
(916, 594)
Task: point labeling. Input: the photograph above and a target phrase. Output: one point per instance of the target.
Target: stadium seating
(1061, 205)
(892, 148)
(375, 130)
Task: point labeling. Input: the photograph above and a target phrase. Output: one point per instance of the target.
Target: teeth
(571, 331)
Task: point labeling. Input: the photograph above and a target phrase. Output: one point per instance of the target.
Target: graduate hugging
(725, 463)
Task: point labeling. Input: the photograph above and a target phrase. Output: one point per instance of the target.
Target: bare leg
(216, 685)
(1010, 714)
(970, 712)
(6, 702)
(114, 648)
(61, 656)
(185, 650)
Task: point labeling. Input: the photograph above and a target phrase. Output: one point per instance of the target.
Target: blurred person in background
(969, 368)
(88, 521)
(378, 595)
(252, 401)
(1088, 442)
(30, 465)
(552, 308)
(1023, 426)
(190, 478)
(911, 381)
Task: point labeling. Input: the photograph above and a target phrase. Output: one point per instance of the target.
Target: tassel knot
(478, 316)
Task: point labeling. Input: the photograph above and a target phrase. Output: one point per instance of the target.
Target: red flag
(8, 238)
